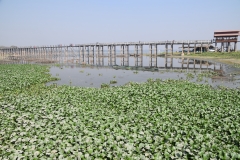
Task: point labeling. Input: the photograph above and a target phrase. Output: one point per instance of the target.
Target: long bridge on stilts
(94, 53)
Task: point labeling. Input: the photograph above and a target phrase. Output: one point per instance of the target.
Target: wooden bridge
(94, 52)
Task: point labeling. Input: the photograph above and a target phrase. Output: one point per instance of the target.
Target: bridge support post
(201, 47)
(172, 48)
(88, 54)
(194, 47)
(182, 49)
(92, 55)
(235, 46)
(114, 54)
(222, 49)
(228, 47)
(215, 46)
(102, 54)
(188, 48)
(109, 55)
(127, 53)
(141, 54)
(136, 55)
(155, 56)
(122, 55)
(165, 62)
(151, 55)
(166, 49)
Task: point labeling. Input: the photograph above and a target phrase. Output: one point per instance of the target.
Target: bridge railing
(120, 43)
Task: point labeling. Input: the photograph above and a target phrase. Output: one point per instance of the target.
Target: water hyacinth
(169, 119)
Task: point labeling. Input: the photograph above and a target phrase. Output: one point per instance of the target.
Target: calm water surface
(94, 76)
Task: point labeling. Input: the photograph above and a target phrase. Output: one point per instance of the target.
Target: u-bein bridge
(94, 52)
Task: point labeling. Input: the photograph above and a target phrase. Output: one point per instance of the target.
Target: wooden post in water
(182, 49)
(182, 62)
(151, 55)
(194, 47)
(222, 48)
(114, 54)
(141, 55)
(136, 55)
(127, 54)
(155, 58)
(166, 48)
(194, 62)
(171, 63)
(109, 55)
(166, 62)
(102, 54)
(122, 55)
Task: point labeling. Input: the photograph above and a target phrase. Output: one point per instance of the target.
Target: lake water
(94, 75)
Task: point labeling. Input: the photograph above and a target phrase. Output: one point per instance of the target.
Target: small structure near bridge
(226, 38)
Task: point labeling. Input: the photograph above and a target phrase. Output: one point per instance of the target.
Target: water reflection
(93, 73)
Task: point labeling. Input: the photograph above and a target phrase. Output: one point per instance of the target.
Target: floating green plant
(113, 81)
(105, 85)
(159, 119)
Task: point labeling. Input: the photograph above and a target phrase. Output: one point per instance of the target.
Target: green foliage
(169, 119)
(113, 81)
(190, 76)
(105, 85)
(18, 77)
(235, 55)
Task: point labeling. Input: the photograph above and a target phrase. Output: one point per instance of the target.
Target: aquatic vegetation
(82, 71)
(105, 85)
(189, 75)
(17, 77)
(159, 119)
(57, 65)
(113, 81)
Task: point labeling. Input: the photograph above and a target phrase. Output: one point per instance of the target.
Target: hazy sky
(52, 22)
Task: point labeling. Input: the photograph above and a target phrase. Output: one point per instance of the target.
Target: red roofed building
(226, 38)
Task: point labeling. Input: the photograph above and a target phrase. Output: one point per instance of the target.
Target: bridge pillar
(136, 55)
(222, 49)
(127, 54)
(235, 46)
(88, 54)
(155, 56)
(114, 54)
(92, 55)
(109, 55)
(122, 55)
(188, 48)
(201, 47)
(102, 55)
(172, 48)
(166, 49)
(182, 49)
(194, 47)
(151, 54)
(215, 46)
(228, 47)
